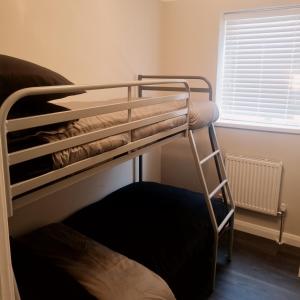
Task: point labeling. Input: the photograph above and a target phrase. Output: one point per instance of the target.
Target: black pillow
(16, 74)
(38, 278)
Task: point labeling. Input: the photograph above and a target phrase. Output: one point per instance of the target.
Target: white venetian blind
(259, 80)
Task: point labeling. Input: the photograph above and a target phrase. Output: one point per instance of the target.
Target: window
(259, 69)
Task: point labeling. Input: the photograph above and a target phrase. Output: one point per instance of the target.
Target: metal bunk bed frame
(32, 190)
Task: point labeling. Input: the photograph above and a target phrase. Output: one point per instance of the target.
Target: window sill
(257, 127)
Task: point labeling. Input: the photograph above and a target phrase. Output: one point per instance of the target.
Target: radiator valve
(283, 207)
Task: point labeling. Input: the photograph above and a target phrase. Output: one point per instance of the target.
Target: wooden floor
(260, 270)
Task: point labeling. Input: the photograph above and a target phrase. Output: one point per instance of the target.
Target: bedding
(27, 138)
(201, 114)
(165, 228)
(84, 125)
(103, 273)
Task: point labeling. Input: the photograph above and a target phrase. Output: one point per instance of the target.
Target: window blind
(259, 80)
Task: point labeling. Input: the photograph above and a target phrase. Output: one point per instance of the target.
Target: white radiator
(255, 183)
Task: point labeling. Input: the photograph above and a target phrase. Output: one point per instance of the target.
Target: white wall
(113, 40)
(93, 41)
(190, 46)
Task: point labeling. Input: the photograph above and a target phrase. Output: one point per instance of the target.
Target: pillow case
(104, 273)
(16, 74)
(38, 278)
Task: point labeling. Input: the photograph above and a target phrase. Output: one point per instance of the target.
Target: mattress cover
(105, 274)
(201, 114)
(165, 228)
(90, 124)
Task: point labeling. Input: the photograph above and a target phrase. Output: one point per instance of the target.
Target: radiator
(255, 183)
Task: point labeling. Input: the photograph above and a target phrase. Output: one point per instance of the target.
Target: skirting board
(268, 233)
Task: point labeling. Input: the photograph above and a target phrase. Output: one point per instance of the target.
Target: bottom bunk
(163, 230)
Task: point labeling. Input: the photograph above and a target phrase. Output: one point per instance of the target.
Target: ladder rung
(217, 188)
(209, 157)
(225, 220)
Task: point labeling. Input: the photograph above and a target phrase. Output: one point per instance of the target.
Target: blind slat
(242, 113)
(260, 106)
(264, 29)
(275, 66)
(288, 80)
(258, 91)
(261, 72)
(264, 60)
(260, 99)
(262, 47)
(264, 21)
(263, 35)
(288, 55)
(257, 94)
(240, 52)
(262, 86)
(230, 26)
(262, 41)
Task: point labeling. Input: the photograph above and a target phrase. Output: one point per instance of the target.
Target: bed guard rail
(201, 79)
(11, 125)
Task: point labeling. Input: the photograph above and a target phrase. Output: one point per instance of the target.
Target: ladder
(223, 186)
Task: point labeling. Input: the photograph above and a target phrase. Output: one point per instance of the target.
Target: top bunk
(49, 147)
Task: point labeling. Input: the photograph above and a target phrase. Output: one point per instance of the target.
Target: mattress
(202, 113)
(102, 273)
(165, 228)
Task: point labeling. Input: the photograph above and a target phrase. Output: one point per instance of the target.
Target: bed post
(140, 95)
(140, 168)
(8, 287)
(140, 88)
(6, 273)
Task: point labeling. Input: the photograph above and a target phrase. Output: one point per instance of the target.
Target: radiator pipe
(282, 215)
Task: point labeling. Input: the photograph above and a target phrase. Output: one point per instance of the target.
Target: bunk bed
(71, 145)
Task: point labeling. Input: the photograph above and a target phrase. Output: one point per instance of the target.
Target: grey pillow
(16, 74)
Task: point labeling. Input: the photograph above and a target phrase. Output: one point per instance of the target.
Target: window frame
(220, 61)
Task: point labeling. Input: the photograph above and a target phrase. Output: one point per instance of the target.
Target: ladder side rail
(202, 181)
(213, 220)
(215, 147)
(220, 164)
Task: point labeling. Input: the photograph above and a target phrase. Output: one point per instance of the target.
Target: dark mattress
(167, 229)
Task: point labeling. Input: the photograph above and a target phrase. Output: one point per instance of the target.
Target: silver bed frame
(31, 190)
